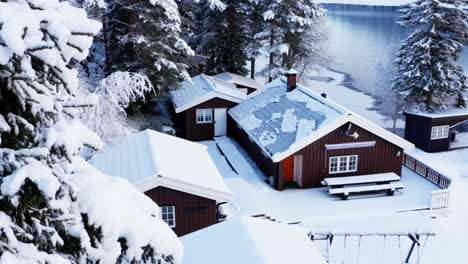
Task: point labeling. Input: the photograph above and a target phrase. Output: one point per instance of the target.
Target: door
(298, 169)
(220, 126)
(288, 169)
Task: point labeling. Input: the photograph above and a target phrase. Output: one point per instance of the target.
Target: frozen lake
(363, 41)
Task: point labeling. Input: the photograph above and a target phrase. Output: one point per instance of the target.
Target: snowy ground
(332, 84)
(316, 210)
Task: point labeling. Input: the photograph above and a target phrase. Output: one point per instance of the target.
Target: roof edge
(159, 180)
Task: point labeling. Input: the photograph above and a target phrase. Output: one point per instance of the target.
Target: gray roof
(202, 88)
(239, 80)
(276, 119)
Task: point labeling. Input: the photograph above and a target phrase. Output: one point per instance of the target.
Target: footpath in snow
(316, 210)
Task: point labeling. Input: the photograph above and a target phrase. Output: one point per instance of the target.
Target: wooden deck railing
(440, 198)
(427, 172)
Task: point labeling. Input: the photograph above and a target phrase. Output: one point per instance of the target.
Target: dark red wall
(192, 212)
(418, 131)
(186, 122)
(378, 159)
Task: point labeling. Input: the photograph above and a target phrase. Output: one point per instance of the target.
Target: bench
(339, 182)
(346, 191)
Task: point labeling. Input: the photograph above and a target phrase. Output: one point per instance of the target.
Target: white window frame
(206, 116)
(335, 162)
(440, 132)
(169, 215)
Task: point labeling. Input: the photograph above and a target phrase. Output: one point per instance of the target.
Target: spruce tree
(293, 34)
(145, 38)
(54, 207)
(428, 75)
(253, 26)
(225, 40)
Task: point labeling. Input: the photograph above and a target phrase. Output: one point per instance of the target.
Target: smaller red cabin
(176, 174)
(201, 106)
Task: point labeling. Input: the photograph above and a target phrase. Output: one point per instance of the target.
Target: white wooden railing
(440, 198)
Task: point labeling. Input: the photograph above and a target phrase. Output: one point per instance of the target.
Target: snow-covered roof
(454, 112)
(202, 88)
(239, 80)
(282, 122)
(150, 159)
(250, 240)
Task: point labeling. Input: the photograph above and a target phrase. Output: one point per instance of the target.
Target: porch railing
(440, 198)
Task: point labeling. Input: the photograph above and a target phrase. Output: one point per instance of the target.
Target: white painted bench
(372, 178)
(346, 191)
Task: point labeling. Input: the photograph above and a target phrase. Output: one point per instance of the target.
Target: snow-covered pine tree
(54, 207)
(115, 93)
(145, 37)
(293, 34)
(253, 26)
(225, 40)
(428, 75)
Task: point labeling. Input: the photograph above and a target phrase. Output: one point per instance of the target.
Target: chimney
(291, 76)
(324, 95)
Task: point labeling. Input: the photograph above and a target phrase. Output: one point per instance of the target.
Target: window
(204, 116)
(343, 164)
(439, 132)
(168, 215)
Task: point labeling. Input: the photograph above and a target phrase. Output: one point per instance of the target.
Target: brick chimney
(291, 77)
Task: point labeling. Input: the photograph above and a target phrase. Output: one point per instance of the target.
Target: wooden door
(220, 126)
(288, 169)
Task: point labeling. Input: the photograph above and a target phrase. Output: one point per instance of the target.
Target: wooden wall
(371, 160)
(254, 151)
(378, 159)
(186, 122)
(418, 131)
(192, 212)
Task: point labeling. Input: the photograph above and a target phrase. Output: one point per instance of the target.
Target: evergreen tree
(225, 40)
(293, 34)
(145, 38)
(253, 26)
(428, 75)
(54, 207)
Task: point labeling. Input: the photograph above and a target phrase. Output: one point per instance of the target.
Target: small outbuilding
(246, 84)
(201, 106)
(441, 131)
(298, 137)
(250, 240)
(176, 174)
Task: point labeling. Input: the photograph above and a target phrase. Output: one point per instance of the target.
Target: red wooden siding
(378, 159)
(186, 122)
(192, 212)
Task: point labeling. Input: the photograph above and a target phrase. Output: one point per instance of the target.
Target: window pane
(343, 163)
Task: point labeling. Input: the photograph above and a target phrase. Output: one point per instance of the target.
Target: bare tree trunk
(272, 55)
(252, 68)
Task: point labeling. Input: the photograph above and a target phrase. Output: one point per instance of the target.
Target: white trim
(183, 187)
(325, 130)
(205, 98)
(440, 132)
(203, 112)
(338, 165)
(173, 215)
(364, 144)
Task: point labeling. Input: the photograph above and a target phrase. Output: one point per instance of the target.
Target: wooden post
(415, 242)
